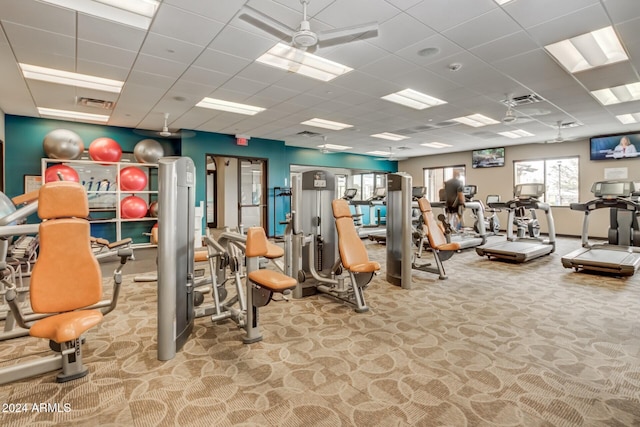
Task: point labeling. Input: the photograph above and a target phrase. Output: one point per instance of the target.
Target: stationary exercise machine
(620, 255)
(177, 287)
(522, 248)
(315, 255)
(65, 286)
(465, 237)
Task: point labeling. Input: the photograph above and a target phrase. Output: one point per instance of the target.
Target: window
(434, 179)
(366, 183)
(559, 176)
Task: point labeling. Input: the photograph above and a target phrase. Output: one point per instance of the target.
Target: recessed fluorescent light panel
(476, 120)
(232, 107)
(334, 147)
(618, 94)
(135, 13)
(435, 145)
(70, 79)
(627, 119)
(501, 2)
(298, 61)
(515, 134)
(591, 50)
(379, 153)
(326, 124)
(72, 115)
(414, 99)
(390, 136)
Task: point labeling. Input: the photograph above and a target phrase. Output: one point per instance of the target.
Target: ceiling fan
(392, 157)
(510, 116)
(324, 148)
(303, 37)
(165, 132)
(559, 137)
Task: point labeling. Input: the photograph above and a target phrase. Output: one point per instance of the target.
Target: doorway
(236, 193)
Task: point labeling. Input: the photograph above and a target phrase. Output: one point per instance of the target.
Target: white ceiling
(198, 48)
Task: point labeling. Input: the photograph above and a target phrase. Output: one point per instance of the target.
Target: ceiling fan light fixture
(298, 61)
(590, 50)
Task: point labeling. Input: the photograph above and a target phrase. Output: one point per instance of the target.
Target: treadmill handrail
(601, 203)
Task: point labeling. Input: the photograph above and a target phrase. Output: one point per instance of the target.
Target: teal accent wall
(24, 137)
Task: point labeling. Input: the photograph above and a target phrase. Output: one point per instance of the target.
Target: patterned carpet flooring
(497, 344)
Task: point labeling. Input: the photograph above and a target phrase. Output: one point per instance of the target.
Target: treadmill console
(469, 191)
(612, 189)
(418, 192)
(528, 191)
(350, 193)
(379, 193)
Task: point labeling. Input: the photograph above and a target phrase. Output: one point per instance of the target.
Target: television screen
(487, 158)
(619, 146)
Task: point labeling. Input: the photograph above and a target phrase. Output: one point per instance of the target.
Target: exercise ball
(153, 209)
(148, 151)
(132, 179)
(105, 150)
(63, 144)
(68, 174)
(133, 207)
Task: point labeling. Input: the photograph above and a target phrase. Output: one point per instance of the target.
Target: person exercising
(454, 198)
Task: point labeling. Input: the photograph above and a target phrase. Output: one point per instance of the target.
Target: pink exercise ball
(153, 209)
(132, 179)
(105, 150)
(68, 174)
(133, 207)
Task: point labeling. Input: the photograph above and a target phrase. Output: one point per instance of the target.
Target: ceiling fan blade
(347, 34)
(266, 23)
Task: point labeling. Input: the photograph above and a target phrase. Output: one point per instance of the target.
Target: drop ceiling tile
(182, 25)
(159, 66)
(579, 22)
(241, 43)
(202, 76)
(353, 55)
(93, 52)
(40, 15)
(608, 76)
(272, 96)
(622, 10)
(492, 25)
(394, 33)
(221, 11)
(440, 46)
(513, 44)
(439, 15)
(404, 4)
(169, 48)
(109, 33)
(31, 42)
(361, 82)
(140, 79)
(211, 59)
(101, 69)
(388, 68)
(243, 86)
(347, 14)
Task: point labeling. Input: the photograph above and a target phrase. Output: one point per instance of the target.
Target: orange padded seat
(437, 239)
(353, 253)
(200, 256)
(258, 245)
(66, 276)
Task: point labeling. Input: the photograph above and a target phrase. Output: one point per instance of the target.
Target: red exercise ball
(132, 179)
(105, 150)
(153, 209)
(133, 207)
(66, 172)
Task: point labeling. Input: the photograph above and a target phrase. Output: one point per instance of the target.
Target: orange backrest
(66, 275)
(256, 242)
(434, 233)
(352, 250)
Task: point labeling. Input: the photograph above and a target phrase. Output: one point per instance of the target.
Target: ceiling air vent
(95, 103)
(568, 125)
(522, 100)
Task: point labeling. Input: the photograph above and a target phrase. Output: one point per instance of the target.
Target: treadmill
(465, 238)
(522, 248)
(621, 255)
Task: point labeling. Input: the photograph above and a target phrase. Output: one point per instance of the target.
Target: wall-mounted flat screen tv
(620, 146)
(487, 158)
